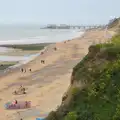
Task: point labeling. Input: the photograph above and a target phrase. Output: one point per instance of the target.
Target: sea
(31, 34)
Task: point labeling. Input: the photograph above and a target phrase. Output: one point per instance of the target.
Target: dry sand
(47, 82)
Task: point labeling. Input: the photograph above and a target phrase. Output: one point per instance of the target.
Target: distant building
(63, 26)
(52, 26)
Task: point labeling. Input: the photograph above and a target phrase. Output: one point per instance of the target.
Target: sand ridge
(47, 82)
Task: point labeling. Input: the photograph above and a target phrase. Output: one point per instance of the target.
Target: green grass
(116, 39)
(28, 47)
(105, 45)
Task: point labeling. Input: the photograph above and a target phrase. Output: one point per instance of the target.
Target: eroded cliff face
(82, 72)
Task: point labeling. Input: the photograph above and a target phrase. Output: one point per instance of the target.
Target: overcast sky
(58, 11)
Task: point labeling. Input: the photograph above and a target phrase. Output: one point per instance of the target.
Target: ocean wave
(43, 38)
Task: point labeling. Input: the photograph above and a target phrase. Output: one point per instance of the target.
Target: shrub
(75, 91)
(113, 52)
(71, 116)
(116, 39)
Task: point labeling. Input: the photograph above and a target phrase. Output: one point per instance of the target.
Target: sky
(58, 11)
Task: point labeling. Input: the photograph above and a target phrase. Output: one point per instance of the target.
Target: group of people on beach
(43, 61)
(15, 102)
(24, 70)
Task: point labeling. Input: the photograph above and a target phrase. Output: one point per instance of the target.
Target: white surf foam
(43, 39)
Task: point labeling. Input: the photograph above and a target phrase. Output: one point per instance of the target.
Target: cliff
(114, 25)
(94, 92)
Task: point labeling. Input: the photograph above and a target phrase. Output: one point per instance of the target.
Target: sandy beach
(47, 82)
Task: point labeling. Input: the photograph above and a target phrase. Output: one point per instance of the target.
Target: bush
(94, 48)
(112, 52)
(71, 116)
(116, 39)
(75, 91)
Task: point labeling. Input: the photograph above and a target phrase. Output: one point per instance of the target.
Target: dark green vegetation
(99, 73)
(4, 66)
(28, 46)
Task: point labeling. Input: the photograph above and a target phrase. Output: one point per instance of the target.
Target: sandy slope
(47, 82)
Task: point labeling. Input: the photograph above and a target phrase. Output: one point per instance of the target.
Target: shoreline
(42, 41)
(30, 59)
(20, 64)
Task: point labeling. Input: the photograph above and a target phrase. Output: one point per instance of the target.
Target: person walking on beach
(22, 69)
(30, 69)
(42, 61)
(55, 48)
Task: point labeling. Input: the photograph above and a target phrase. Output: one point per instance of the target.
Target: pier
(83, 27)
